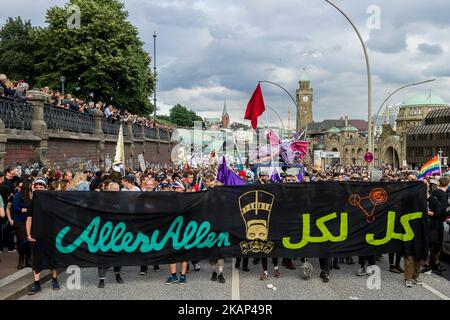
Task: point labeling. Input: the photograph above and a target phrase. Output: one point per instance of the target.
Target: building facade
(415, 139)
(425, 141)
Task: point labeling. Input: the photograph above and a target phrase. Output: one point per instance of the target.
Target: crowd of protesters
(17, 193)
(18, 90)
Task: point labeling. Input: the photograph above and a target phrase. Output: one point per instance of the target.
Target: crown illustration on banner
(256, 208)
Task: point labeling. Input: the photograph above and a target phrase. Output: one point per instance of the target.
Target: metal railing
(16, 114)
(67, 120)
(136, 130)
(150, 133)
(112, 127)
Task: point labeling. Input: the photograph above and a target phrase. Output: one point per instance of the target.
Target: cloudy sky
(209, 51)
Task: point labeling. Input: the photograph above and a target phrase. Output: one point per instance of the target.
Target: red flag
(255, 107)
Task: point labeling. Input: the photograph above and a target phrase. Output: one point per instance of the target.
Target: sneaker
(326, 278)
(276, 273)
(245, 269)
(418, 282)
(197, 267)
(221, 278)
(264, 276)
(172, 280)
(322, 274)
(119, 278)
(55, 285)
(101, 284)
(426, 269)
(214, 276)
(11, 251)
(237, 265)
(361, 272)
(143, 271)
(369, 273)
(394, 269)
(35, 289)
(156, 268)
(408, 283)
(182, 279)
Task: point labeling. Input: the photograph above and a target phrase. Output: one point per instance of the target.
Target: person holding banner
(114, 187)
(38, 185)
(178, 187)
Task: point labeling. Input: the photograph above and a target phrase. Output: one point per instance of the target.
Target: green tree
(183, 117)
(16, 50)
(104, 56)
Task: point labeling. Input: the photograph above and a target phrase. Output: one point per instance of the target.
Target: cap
(40, 181)
(165, 186)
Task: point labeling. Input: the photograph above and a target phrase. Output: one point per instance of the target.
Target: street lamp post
(387, 99)
(369, 81)
(406, 86)
(285, 90)
(63, 80)
(154, 72)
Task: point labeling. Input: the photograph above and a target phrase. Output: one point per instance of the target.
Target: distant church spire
(225, 109)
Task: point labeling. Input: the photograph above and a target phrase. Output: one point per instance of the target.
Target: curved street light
(369, 80)
(406, 86)
(279, 117)
(386, 100)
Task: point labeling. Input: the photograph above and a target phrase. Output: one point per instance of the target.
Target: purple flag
(275, 178)
(223, 170)
(300, 176)
(232, 179)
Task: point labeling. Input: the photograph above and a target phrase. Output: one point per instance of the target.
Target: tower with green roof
(305, 96)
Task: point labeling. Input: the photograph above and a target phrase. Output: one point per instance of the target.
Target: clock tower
(304, 102)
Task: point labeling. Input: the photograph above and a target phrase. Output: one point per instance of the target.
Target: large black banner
(91, 229)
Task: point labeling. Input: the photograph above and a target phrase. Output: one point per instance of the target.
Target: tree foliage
(183, 117)
(16, 50)
(104, 56)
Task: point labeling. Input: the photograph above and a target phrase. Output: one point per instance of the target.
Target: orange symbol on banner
(377, 197)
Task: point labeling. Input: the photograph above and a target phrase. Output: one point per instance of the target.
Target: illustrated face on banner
(256, 207)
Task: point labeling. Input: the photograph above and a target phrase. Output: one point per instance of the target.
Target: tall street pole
(369, 81)
(154, 73)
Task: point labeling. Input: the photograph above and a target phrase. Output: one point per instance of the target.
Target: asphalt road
(344, 285)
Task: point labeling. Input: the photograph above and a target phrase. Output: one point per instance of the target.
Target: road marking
(11, 278)
(436, 292)
(235, 294)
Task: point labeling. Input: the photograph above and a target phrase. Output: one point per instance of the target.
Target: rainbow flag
(431, 167)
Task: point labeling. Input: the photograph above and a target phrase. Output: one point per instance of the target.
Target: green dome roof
(333, 130)
(304, 76)
(424, 99)
(350, 129)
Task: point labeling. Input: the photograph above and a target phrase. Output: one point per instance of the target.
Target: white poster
(142, 162)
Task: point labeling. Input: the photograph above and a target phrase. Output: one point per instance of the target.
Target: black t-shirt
(5, 192)
(442, 197)
(10, 184)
